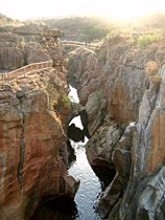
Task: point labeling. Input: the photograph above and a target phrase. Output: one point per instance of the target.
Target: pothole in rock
(105, 174)
(55, 208)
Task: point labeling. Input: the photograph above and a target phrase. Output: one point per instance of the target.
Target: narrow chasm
(93, 179)
(90, 187)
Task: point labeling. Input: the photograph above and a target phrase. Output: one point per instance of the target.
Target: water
(90, 187)
(83, 206)
(73, 96)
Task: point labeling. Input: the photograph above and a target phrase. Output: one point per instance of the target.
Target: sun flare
(111, 9)
(129, 9)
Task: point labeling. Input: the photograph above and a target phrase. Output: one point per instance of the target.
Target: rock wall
(34, 113)
(121, 87)
(11, 55)
(22, 46)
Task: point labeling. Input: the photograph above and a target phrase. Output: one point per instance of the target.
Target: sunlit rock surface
(34, 112)
(122, 90)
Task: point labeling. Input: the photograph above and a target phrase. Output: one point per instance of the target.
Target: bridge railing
(23, 71)
(77, 43)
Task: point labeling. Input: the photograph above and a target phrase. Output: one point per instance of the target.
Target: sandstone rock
(132, 92)
(101, 145)
(34, 53)
(11, 55)
(121, 158)
(33, 152)
(147, 201)
(11, 58)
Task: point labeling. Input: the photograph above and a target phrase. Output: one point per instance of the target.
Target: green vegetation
(146, 39)
(53, 94)
(58, 99)
(63, 103)
(84, 29)
(66, 101)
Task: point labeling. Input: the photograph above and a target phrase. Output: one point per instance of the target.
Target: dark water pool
(83, 206)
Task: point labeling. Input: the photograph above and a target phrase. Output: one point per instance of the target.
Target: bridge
(34, 75)
(81, 44)
(23, 71)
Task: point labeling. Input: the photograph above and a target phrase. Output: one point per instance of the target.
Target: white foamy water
(73, 96)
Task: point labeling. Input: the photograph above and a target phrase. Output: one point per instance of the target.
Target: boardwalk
(23, 71)
(6, 76)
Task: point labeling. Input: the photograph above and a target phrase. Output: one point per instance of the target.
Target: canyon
(121, 89)
(34, 112)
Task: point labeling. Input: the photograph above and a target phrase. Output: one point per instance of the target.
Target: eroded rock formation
(122, 90)
(34, 112)
(29, 43)
(11, 55)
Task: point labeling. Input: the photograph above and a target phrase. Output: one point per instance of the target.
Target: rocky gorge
(121, 91)
(34, 113)
(121, 88)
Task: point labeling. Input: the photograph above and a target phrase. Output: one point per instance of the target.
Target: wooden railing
(23, 71)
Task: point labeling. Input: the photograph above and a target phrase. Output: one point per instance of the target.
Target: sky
(119, 9)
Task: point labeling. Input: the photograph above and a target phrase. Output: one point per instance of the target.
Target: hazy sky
(122, 9)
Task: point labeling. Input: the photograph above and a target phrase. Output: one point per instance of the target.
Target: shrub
(146, 39)
(66, 101)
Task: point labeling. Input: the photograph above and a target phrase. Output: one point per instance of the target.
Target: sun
(129, 9)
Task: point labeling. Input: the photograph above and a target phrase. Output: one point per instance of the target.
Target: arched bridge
(80, 44)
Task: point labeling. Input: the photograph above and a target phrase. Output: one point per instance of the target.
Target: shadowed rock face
(62, 208)
(11, 54)
(121, 84)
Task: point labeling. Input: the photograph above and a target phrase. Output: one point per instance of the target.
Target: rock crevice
(21, 98)
(122, 90)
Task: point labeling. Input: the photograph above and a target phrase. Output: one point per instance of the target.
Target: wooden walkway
(23, 71)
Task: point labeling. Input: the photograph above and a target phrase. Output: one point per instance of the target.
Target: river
(90, 187)
(83, 206)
